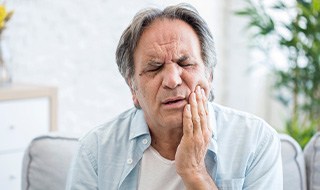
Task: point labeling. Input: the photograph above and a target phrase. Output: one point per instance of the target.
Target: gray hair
(131, 36)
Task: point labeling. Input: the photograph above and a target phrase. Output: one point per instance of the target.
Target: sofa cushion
(312, 158)
(46, 162)
(294, 174)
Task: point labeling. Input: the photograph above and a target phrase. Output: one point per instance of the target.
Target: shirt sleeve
(265, 171)
(83, 171)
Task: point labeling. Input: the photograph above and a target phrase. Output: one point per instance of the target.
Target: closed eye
(184, 61)
(186, 64)
(153, 69)
(153, 66)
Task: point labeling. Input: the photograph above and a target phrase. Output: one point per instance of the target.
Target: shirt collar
(138, 125)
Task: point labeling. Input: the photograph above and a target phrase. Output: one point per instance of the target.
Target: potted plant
(4, 18)
(296, 34)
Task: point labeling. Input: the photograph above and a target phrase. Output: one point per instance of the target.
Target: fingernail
(193, 96)
(199, 91)
(188, 107)
(203, 93)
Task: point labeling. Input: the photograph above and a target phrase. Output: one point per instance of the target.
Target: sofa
(48, 157)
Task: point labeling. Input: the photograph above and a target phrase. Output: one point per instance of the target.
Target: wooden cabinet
(26, 111)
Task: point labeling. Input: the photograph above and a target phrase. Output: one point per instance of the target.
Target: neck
(166, 142)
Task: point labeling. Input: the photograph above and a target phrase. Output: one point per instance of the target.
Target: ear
(134, 95)
(135, 100)
(211, 94)
(211, 76)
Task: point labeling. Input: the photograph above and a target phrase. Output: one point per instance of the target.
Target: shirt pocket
(230, 184)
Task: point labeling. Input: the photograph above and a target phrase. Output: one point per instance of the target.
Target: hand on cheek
(196, 137)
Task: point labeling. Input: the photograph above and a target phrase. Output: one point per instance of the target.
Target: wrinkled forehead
(168, 36)
(165, 28)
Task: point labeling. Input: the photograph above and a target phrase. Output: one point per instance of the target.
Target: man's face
(168, 67)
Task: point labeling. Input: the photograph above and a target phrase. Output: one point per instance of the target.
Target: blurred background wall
(71, 44)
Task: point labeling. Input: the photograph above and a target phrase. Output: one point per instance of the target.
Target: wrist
(198, 181)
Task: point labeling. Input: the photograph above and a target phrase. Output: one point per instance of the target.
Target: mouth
(174, 102)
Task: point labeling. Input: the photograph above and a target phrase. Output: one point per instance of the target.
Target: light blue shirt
(244, 153)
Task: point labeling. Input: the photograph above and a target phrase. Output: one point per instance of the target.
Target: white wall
(71, 44)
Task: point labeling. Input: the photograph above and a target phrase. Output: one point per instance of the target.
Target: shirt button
(129, 161)
(145, 141)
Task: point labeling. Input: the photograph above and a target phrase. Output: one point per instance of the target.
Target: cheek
(206, 85)
(146, 93)
(193, 79)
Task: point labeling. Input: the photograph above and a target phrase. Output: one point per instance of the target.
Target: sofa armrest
(46, 162)
(312, 158)
(294, 173)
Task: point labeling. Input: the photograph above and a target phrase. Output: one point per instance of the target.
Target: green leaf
(316, 5)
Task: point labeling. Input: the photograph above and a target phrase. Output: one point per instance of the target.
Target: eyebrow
(157, 63)
(182, 59)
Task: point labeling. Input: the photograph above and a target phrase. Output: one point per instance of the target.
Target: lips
(173, 100)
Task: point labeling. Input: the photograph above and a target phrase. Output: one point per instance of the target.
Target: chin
(170, 118)
(174, 121)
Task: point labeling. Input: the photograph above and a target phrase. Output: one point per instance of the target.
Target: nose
(172, 76)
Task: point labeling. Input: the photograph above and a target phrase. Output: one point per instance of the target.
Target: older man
(174, 138)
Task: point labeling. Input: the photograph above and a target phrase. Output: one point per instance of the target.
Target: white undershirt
(158, 173)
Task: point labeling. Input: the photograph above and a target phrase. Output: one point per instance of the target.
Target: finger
(204, 99)
(194, 114)
(208, 131)
(187, 121)
(201, 110)
(205, 105)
